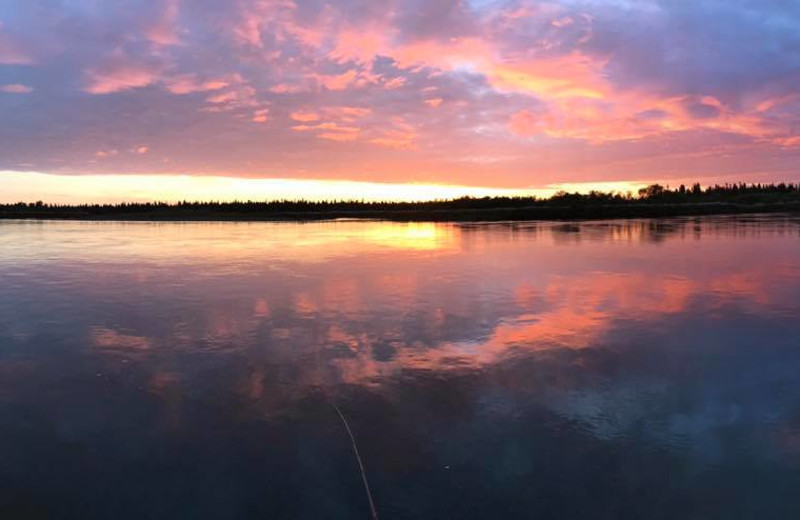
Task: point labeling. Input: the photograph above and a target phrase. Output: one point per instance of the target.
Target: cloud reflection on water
(670, 338)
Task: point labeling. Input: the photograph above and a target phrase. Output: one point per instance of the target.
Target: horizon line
(644, 193)
(171, 188)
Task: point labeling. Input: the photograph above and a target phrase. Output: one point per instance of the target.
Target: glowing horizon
(91, 189)
(405, 100)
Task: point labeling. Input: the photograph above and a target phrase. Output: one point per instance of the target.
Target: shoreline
(530, 213)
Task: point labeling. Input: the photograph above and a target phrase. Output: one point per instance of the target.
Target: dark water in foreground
(606, 370)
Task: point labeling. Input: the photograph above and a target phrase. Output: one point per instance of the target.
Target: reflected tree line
(635, 230)
(653, 200)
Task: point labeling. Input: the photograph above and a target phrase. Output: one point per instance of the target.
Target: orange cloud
(399, 135)
(346, 114)
(331, 131)
(304, 116)
(396, 139)
(573, 75)
(352, 111)
(340, 137)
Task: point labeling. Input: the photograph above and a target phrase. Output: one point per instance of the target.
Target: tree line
(655, 194)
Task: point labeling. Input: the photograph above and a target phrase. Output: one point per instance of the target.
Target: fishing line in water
(360, 464)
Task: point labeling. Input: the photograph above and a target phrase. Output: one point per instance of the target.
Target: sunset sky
(170, 99)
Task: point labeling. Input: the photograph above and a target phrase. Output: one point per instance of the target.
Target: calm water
(607, 370)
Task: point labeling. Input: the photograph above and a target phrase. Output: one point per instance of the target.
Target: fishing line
(360, 464)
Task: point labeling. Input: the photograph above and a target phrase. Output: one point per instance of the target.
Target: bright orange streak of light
(79, 189)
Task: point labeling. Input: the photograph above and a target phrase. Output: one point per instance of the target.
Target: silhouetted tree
(649, 197)
(652, 191)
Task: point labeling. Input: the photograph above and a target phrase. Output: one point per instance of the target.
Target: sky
(222, 99)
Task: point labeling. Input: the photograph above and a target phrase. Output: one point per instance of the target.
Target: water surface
(620, 369)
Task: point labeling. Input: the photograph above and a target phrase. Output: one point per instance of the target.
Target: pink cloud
(16, 88)
(788, 142)
(188, 83)
(236, 98)
(433, 103)
(331, 131)
(524, 123)
(223, 97)
(239, 97)
(11, 52)
(351, 79)
(308, 36)
(395, 83)
(164, 31)
(249, 31)
(347, 114)
(337, 82)
(253, 17)
(360, 45)
(285, 88)
(445, 55)
(120, 76)
(562, 22)
(261, 115)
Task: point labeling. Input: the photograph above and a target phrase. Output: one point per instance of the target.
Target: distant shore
(653, 201)
(551, 212)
